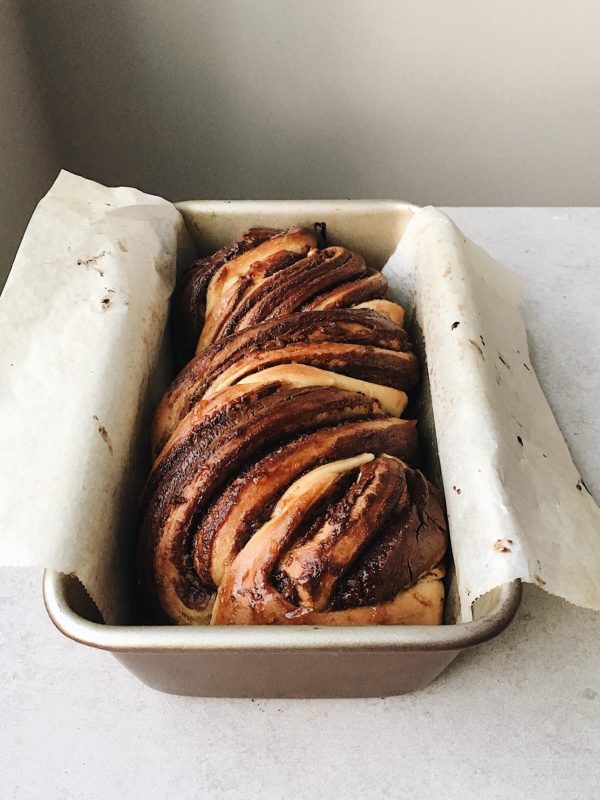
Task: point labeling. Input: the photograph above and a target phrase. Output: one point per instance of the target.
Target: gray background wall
(453, 103)
(28, 155)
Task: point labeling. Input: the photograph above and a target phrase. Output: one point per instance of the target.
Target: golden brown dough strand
(362, 327)
(287, 572)
(214, 448)
(282, 491)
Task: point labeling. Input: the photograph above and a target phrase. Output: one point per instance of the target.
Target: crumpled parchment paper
(82, 318)
(517, 505)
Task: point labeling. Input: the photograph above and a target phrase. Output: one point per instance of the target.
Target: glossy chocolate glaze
(289, 573)
(247, 502)
(413, 541)
(310, 571)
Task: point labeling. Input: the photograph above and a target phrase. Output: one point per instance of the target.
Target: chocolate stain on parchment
(104, 434)
(92, 263)
(106, 300)
(476, 346)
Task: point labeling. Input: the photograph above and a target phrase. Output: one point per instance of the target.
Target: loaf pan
(290, 661)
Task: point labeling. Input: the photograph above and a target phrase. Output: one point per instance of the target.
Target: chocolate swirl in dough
(281, 490)
(189, 302)
(360, 343)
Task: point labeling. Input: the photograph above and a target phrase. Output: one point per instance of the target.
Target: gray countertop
(517, 717)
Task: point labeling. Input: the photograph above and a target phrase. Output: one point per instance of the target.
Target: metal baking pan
(295, 661)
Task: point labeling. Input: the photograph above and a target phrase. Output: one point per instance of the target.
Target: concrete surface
(517, 717)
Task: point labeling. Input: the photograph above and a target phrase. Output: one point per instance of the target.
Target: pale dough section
(392, 401)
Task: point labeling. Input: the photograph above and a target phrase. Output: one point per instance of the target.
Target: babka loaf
(282, 489)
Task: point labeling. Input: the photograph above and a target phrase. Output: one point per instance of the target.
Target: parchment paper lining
(82, 321)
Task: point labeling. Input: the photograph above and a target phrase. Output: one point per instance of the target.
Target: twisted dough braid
(281, 490)
(380, 522)
(360, 343)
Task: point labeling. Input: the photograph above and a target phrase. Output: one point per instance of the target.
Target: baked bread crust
(282, 491)
(363, 328)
